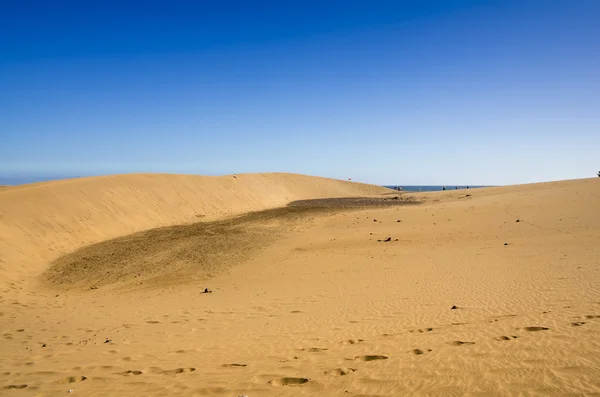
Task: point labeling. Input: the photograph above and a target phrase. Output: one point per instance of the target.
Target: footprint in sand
(422, 330)
(418, 352)
(45, 373)
(592, 316)
(177, 371)
(153, 322)
(72, 379)
(288, 381)
(234, 365)
(340, 371)
(352, 341)
(314, 349)
(504, 337)
(130, 372)
(460, 343)
(578, 323)
(17, 387)
(534, 329)
(371, 358)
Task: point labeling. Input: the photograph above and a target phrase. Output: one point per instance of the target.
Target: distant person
(234, 176)
(456, 188)
(443, 187)
(467, 187)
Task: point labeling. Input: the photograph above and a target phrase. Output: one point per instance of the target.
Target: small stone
(454, 307)
(505, 243)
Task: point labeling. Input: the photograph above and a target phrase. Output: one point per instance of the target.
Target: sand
(308, 299)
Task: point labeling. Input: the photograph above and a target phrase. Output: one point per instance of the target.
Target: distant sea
(431, 188)
(10, 180)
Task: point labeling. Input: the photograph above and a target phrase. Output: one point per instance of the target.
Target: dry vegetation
(192, 252)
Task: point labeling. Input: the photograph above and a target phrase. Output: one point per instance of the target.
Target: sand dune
(42, 221)
(479, 292)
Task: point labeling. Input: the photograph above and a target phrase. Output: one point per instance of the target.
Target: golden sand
(306, 300)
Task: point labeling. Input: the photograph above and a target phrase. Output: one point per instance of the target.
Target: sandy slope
(42, 221)
(327, 309)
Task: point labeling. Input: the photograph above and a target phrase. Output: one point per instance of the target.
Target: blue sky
(387, 92)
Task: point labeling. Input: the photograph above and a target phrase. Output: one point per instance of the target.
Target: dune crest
(42, 221)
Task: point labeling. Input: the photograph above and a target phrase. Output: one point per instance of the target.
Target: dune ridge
(42, 221)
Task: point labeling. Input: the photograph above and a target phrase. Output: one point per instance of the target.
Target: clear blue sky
(388, 92)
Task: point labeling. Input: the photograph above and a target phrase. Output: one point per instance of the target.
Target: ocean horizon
(26, 179)
(432, 188)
